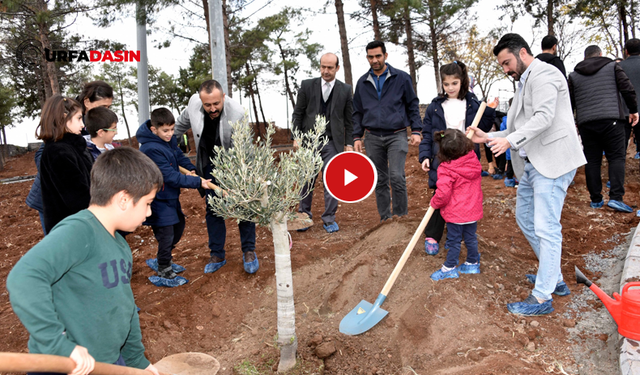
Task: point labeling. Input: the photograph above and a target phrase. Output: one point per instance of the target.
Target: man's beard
(520, 69)
(218, 113)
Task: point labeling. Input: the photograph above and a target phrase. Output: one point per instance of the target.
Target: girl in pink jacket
(459, 198)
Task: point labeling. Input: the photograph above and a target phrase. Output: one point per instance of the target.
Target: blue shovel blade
(363, 317)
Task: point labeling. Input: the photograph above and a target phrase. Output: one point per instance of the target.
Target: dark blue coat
(34, 199)
(165, 208)
(434, 121)
(397, 108)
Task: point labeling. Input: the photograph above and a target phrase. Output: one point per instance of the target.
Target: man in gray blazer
(331, 98)
(209, 115)
(545, 152)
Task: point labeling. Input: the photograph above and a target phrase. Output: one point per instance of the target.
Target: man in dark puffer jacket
(595, 87)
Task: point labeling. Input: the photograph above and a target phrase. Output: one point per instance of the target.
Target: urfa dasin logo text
(94, 56)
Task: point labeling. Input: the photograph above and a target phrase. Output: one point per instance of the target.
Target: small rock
(523, 340)
(483, 353)
(167, 324)
(316, 340)
(603, 336)
(474, 356)
(531, 346)
(534, 323)
(325, 350)
(569, 323)
(377, 356)
(500, 286)
(389, 355)
(199, 328)
(215, 311)
(490, 292)
(532, 334)
(489, 286)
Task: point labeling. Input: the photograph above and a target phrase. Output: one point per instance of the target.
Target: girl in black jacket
(65, 167)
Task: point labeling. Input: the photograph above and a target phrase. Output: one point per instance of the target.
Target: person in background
(550, 53)
(331, 98)
(34, 198)
(631, 66)
(65, 166)
(102, 125)
(95, 94)
(384, 105)
(596, 85)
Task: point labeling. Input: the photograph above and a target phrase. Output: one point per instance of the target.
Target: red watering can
(624, 309)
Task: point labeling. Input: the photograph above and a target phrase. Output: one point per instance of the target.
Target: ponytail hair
(57, 110)
(453, 144)
(96, 90)
(458, 70)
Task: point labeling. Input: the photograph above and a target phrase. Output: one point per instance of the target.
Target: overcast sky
(325, 31)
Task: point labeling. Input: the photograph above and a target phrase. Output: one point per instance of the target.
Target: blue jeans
(389, 154)
(538, 209)
(455, 234)
(218, 231)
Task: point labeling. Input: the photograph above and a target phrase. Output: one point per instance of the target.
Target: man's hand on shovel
(83, 360)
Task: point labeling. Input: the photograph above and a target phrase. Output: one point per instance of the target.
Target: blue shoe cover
(497, 176)
(153, 264)
(169, 283)
(330, 228)
(440, 274)
(484, 174)
(469, 268)
(530, 307)
(431, 248)
(608, 184)
(561, 288)
(619, 206)
(597, 205)
(251, 267)
(213, 267)
(637, 156)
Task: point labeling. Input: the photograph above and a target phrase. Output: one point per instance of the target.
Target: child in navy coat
(167, 220)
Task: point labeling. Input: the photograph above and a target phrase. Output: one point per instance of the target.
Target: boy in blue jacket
(167, 220)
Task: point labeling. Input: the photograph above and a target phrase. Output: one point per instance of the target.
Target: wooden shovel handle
(27, 362)
(423, 223)
(212, 186)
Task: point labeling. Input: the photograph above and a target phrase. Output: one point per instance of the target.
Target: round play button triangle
(350, 177)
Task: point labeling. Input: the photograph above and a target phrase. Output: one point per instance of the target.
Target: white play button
(349, 177)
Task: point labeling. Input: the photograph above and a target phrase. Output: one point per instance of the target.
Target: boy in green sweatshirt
(72, 290)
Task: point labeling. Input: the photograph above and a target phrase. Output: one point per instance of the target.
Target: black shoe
(166, 272)
(249, 256)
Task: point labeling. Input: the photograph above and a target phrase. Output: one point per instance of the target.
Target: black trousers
(167, 238)
(608, 136)
(509, 169)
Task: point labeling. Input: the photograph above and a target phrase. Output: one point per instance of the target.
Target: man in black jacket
(631, 66)
(549, 53)
(331, 98)
(595, 87)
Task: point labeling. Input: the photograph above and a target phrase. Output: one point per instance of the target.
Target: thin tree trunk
(227, 46)
(623, 19)
(253, 100)
(374, 18)
(346, 61)
(264, 118)
(284, 285)
(550, 19)
(410, 54)
(286, 77)
(633, 18)
(126, 123)
(205, 5)
(49, 66)
(434, 48)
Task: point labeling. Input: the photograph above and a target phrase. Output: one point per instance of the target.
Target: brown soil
(449, 327)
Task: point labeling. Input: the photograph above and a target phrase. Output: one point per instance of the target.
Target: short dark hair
(592, 51)
(96, 90)
(56, 112)
(99, 118)
(123, 169)
(331, 53)
(633, 46)
(458, 70)
(549, 41)
(162, 116)
(513, 42)
(208, 86)
(453, 144)
(376, 44)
